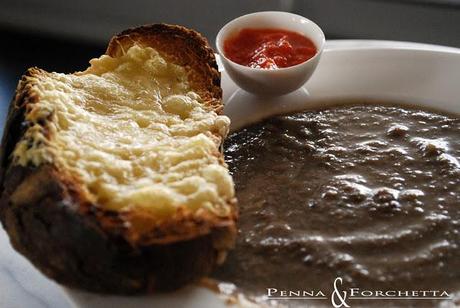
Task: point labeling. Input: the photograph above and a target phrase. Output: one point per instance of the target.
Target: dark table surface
(20, 51)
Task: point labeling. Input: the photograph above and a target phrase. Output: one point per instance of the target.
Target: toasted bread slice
(112, 179)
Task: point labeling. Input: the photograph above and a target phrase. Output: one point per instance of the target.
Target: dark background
(62, 36)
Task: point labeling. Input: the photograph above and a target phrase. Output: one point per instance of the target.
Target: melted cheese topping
(132, 131)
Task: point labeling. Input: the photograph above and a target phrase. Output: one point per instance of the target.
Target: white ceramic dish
(271, 82)
(425, 75)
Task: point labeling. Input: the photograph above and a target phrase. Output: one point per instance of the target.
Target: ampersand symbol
(338, 299)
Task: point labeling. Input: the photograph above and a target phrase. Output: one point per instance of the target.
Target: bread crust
(181, 46)
(79, 244)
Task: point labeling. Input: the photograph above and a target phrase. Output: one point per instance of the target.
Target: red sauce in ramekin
(269, 48)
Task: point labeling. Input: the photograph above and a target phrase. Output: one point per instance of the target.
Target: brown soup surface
(368, 193)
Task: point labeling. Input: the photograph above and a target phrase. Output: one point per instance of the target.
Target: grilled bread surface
(112, 179)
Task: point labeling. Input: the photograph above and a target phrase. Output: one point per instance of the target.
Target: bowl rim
(319, 49)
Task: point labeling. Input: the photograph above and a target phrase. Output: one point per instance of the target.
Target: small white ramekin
(271, 82)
